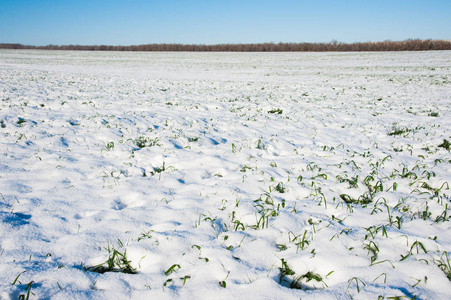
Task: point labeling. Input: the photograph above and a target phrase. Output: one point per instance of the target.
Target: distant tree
(387, 45)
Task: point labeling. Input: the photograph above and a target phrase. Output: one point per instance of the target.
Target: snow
(209, 171)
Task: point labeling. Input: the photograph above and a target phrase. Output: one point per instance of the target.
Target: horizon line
(332, 46)
(333, 41)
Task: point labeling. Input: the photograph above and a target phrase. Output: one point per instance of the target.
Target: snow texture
(224, 175)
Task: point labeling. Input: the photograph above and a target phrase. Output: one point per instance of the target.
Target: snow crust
(216, 174)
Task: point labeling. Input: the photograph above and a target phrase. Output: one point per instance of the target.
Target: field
(225, 175)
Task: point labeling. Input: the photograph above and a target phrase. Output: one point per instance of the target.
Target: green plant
(21, 121)
(263, 221)
(163, 168)
(109, 146)
(396, 130)
(234, 148)
(383, 274)
(238, 224)
(444, 264)
(373, 230)
(172, 269)
(373, 249)
(446, 144)
(417, 245)
(116, 262)
(144, 141)
(302, 242)
(357, 281)
(280, 188)
(378, 187)
(28, 289)
(363, 199)
(185, 278)
(17, 278)
(281, 247)
(245, 168)
(296, 283)
(443, 216)
(275, 111)
(222, 283)
(353, 182)
(284, 270)
(261, 145)
(166, 282)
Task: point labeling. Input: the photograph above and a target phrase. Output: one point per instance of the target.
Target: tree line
(334, 46)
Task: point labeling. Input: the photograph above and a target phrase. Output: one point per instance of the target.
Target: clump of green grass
(109, 146)
(298, 282)
(163, 168)
(28, 287)
(302, 241)
(245, 168)
(362, 200)
(444, 264)
(277, 111)
(280, 188)
(446, 144)
(116, 262)
(353, 182)
(28, 290)
(21, 121)
(144, 141)
(285, 270)
(396, 130)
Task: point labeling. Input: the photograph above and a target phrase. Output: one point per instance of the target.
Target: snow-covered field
(225, 175)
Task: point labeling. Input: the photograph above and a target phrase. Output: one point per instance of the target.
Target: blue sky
(132, 22)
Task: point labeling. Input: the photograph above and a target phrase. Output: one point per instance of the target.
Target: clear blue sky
(132, 22)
